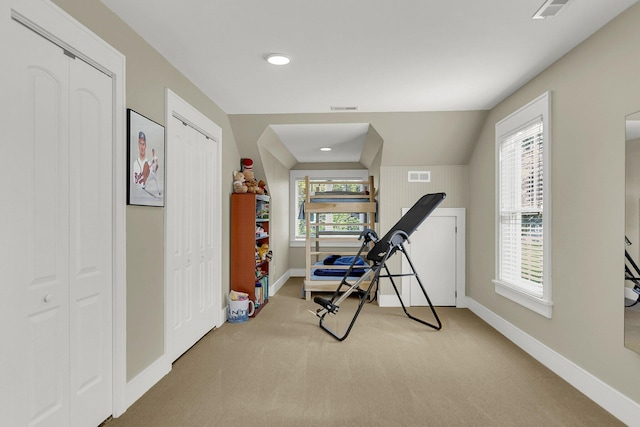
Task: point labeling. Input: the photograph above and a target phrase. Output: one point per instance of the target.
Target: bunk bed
(331, 246)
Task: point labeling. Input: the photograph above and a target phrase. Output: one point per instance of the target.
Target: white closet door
(48, 335)
(189, 237)
(34, 229)
(90, 244)
(433, 254)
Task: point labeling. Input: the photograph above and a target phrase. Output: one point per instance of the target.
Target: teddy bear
(263, 186)
(239, 182)
(250, 182)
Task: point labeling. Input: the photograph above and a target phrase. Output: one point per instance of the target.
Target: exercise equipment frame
(379, 251)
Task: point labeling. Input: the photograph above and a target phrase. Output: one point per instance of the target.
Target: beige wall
(408, 139)
(397, 193)
(148, 74)
(593, 88)
(277, 178)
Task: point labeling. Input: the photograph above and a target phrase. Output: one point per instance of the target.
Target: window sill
(535, 304)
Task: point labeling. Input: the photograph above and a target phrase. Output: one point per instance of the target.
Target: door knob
(47, 298)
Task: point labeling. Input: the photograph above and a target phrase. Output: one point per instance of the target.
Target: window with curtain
(522, 208)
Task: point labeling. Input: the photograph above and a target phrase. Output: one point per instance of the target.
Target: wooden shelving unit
(249, 212)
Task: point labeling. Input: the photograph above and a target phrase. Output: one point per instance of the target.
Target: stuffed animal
(263, 250)
(238, 183)
(246, 164)
(250, 182)
(263, 186)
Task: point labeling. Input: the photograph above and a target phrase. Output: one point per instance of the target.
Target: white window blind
(521, 187)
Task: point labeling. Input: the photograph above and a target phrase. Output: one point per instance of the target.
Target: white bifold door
(56, 228)
(191, 277)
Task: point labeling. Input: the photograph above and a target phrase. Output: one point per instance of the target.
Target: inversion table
(379, 251)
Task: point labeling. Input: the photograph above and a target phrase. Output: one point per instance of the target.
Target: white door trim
(53, 23)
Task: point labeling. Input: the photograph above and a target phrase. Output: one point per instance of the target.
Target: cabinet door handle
(47, 298)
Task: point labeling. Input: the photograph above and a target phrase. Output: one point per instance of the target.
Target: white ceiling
(346, 141)
(376, 55)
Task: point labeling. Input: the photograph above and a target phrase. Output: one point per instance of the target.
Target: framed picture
(146, 161)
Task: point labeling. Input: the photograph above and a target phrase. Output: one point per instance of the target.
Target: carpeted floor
(281, 369)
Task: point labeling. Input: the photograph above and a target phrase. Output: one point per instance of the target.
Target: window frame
(298, 174)
(538, 108)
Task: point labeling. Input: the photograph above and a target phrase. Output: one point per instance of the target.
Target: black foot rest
(325, 303)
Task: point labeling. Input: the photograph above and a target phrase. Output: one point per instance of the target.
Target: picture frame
(145, 161)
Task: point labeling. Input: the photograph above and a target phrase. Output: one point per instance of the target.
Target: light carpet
(281, 369)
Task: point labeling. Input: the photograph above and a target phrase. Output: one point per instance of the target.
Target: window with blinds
(521, 207)
(523, 226)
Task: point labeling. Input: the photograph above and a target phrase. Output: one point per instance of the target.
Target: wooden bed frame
(320, 246)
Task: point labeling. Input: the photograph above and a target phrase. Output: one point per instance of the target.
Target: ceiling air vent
(550, 8)
(419, 176)
(333, 108)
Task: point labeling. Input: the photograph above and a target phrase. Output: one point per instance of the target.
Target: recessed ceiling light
(325, 149)
(277, 59)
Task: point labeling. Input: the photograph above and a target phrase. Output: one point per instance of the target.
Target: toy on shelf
(238, 183)
(244, 180)
(262, 251)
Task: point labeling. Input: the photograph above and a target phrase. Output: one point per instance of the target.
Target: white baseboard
(388, 300)
(297, 272)
(275, 287)
(391, 300)
(145, 380)
(619, 405)
(222, 316)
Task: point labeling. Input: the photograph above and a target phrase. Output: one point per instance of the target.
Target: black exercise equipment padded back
(407, 224)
